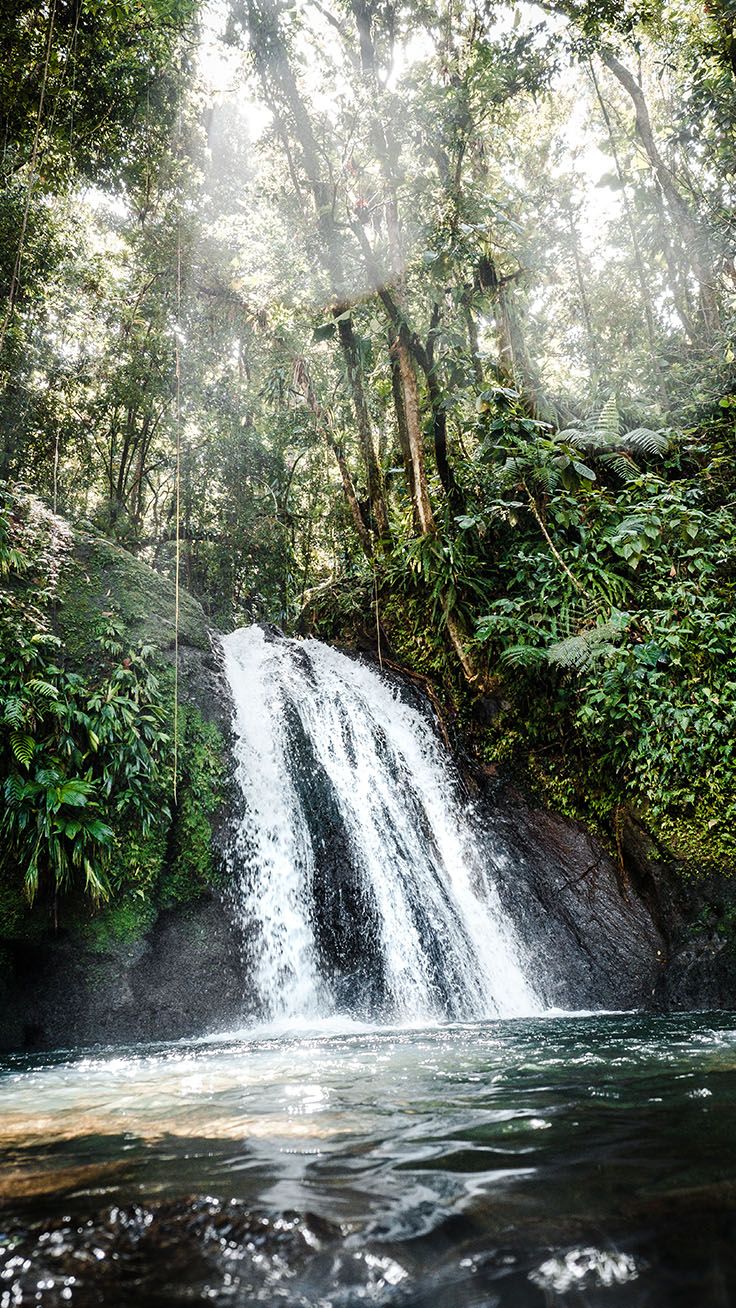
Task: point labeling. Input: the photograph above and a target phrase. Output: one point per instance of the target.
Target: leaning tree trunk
(403, 345)
(292, 118)
(694, 237)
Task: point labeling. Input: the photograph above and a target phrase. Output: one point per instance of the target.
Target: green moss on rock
(703, 841)
(191, 866)
(100, 578)
(103, 607)
(120, 922)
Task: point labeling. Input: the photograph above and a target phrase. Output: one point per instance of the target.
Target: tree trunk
(285, 102)
(398, 398)
(374, 475)
(356, 513)
(594, 357)
(693, 235)
(646, 294)
(413, 424)
(302, 384)
(474, 344)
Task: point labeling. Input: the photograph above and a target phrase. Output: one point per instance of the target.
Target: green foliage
(172, 865)
(617, 620)
(337, 610)
(190, 865)
(76, 753)
(607, 440)
(444, 566)
(107, 63)
(418, 643)
(88, 830)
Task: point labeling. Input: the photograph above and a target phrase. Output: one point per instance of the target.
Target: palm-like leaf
(646, 441)
(523, 656)
(604, 436)
(578, 652)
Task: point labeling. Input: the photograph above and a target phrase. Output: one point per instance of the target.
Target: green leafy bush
(617, 620)
(79, 755)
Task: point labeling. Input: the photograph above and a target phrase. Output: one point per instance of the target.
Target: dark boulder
(185, 976)
(593, 938)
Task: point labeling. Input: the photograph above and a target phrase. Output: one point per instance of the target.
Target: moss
(411, 636)
(566, 782)
(726, 927)
(703, 841)
(534, 743)
(171, 862)
(101, 577)
(120, 922)
(700, 839)
(139, 856)
(191, 866)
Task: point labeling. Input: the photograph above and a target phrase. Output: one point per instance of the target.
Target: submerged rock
(177, 1251)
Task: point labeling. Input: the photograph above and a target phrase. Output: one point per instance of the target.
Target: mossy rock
(103, 605)
(100, 578)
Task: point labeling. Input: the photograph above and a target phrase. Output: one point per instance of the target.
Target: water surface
(573, 1160)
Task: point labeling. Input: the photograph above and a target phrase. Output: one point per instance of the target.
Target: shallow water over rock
(572, 1160)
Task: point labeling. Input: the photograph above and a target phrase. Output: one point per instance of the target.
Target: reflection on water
(579, 1160)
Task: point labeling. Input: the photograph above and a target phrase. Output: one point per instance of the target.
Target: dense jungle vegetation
(416, 322)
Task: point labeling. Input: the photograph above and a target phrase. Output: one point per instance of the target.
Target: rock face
(634, 933)
(101, 576)
(179, 970)
(183, 977)
(594, 938)
(697, 916)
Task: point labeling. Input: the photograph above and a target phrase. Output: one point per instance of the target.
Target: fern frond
(587, 441)
(43, 688)
(604, 435)
(577, 653)
(574, 652)
(633, 525)
(544, 478)
(523, 656)
(645, 441)
(621, 464)
(14, 711)
(608, 422)
(23, 747)
(14, 788)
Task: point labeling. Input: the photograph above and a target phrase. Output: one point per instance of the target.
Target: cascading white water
(363, 880)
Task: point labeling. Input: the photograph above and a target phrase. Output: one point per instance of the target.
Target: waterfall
(365, 886)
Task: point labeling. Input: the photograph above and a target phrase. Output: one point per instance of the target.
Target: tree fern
(608, 422)
(655, 443)
(621, 465)
(523, 656)
(578, 653)
(605, 437)
(573, 653)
